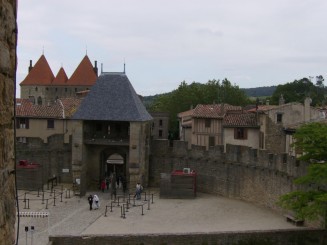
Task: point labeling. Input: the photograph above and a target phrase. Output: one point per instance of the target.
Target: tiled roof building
(42, 87)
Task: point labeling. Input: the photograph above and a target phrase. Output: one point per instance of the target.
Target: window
(39, 100)
(22, 123)
(22, 140)
(50, 123)
(160, 122)
(160, 133)
(279, 117)
(261, 140)
(211, 141)
(207, 123)
(240, 133)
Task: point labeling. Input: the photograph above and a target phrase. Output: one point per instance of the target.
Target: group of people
(113, 181)
(94, 201)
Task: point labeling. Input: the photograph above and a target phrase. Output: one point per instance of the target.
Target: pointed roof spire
(61, 78)
(40, 74)
(84, 74)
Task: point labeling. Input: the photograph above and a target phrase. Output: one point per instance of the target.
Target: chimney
(307, 107)
(281, 100)
(95, 68)
(30, 67)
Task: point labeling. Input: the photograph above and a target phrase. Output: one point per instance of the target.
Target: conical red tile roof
(40, 74)
(61, 78)
(84, 74)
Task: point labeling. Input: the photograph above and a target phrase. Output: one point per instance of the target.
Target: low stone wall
(252, 175)
(276, 237)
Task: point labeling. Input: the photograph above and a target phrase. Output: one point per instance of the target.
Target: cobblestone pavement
(206, 213)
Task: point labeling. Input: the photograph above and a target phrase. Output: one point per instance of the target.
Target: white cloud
(164, 42)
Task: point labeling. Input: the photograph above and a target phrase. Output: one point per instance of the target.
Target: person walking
(96, 201)
(103, 185)
(90, 199)
(138, 191)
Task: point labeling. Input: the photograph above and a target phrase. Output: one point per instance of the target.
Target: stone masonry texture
(8, 37)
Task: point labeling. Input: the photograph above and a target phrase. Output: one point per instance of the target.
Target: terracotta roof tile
(240, 120)
(40, 74)
(263, 108)
(61, 78)
(213, 111)
(84, 74)
(63, 107)
(185, 113)
(24, 108)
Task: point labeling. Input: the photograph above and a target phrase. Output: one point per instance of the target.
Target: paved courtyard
(206, 213)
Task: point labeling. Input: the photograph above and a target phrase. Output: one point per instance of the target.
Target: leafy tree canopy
(298, 90)
(311, 200)
(187, 96)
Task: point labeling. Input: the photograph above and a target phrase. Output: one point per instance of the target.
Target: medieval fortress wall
(244, 173)
(7, 90)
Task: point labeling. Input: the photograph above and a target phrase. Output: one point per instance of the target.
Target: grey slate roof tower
(111, 123)
(112, 98)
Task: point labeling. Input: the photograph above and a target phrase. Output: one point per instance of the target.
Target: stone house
(276, 119)
(42, 87)
(160, 125)
(205, 126)
(241, 128)
(111, 134)
(44, 121)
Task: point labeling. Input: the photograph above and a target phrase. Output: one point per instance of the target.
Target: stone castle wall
(276, 237)
(54, 158)
(252, 175)
(8, 39)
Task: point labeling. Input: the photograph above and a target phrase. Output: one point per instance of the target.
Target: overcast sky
(252, 43)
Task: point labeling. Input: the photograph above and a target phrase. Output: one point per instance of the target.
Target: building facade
(111, 134)
(43, 88)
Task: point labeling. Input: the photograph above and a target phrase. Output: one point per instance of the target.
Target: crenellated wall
(8, 39)
(242, 172)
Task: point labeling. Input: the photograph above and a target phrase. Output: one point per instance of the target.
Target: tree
(298, 90)
(311, 200)
(187, 96)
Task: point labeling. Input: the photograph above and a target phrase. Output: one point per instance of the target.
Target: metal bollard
(42, 197)
(38, 192)
(134, 202)
(46, 205)
(61, 197)
(149, 204)
(118, 203)
(54, 200)
(28, 203)
(124, 211)
(105, 213)
(111, 207)
(144, 196)
(152, 198)
(142, 210)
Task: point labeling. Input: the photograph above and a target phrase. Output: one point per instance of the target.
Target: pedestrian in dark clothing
(90, 199)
